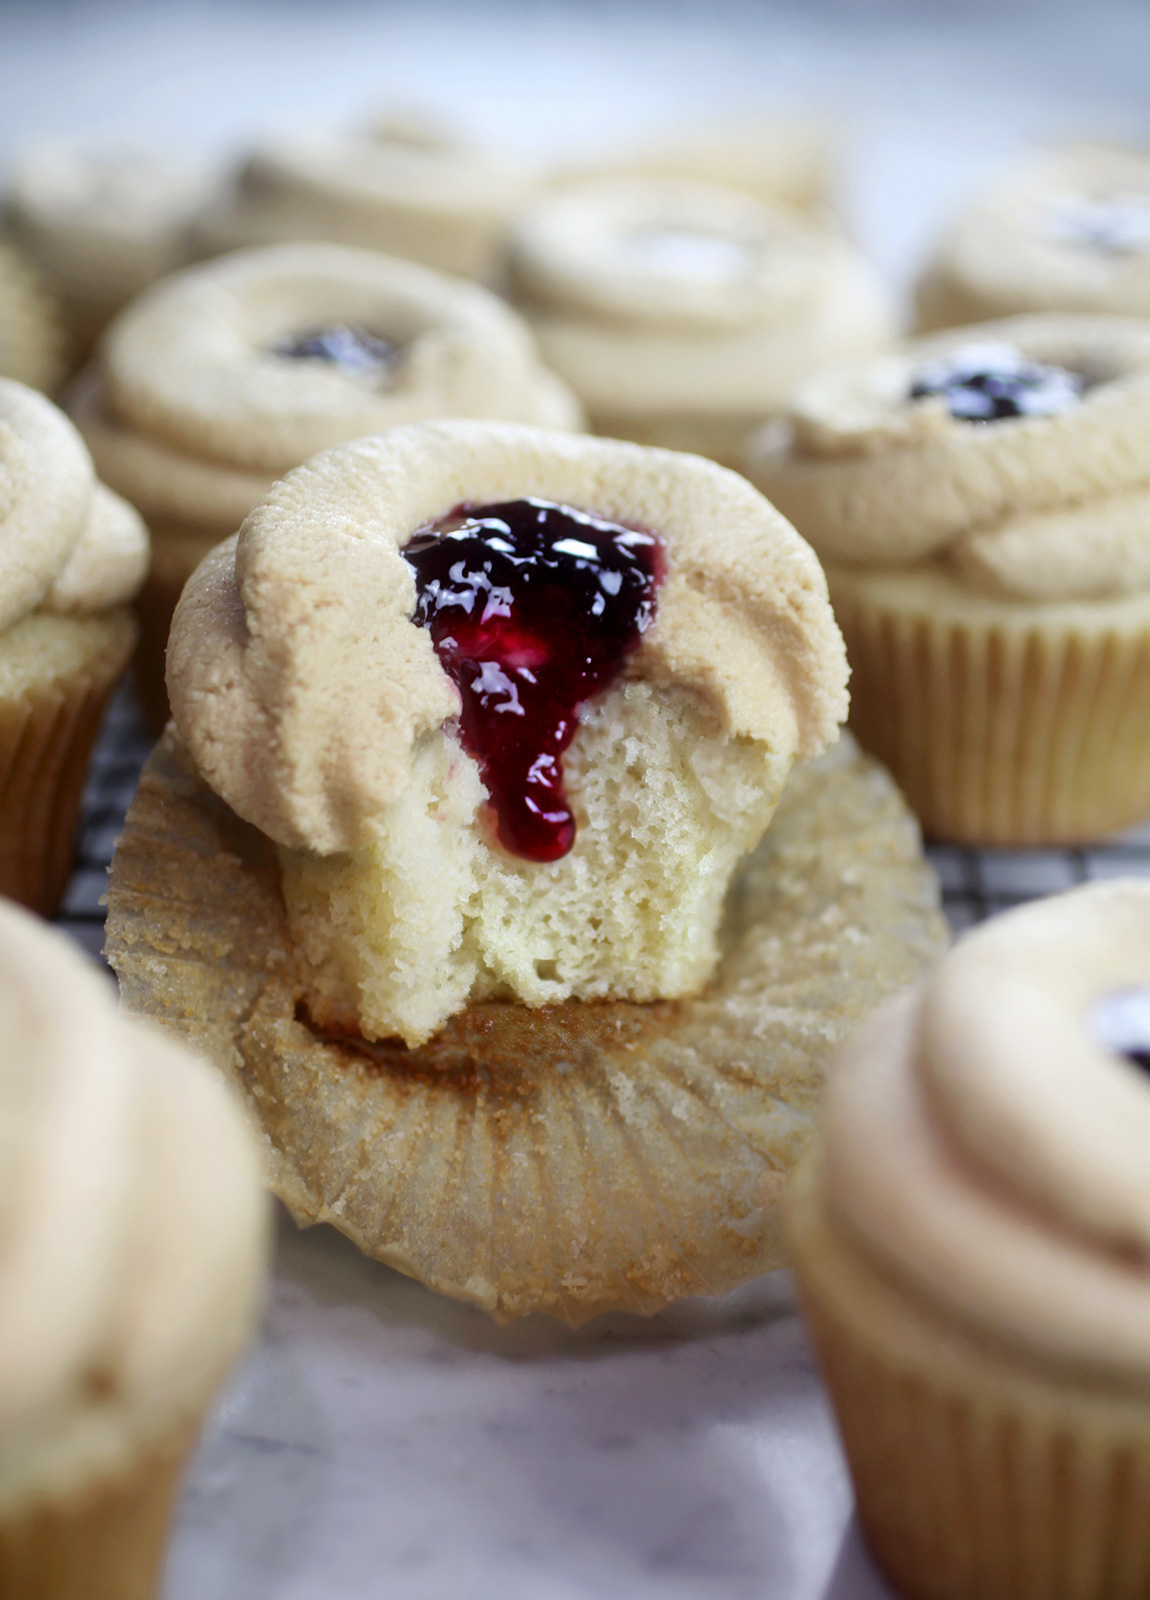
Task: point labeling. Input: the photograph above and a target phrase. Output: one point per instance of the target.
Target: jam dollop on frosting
(532, 607)
(343, 345)
(987, 382)
(1116, 224)
(1120, 1023)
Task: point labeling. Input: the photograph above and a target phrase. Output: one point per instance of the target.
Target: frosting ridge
(1038, 508)
(71, 545)
(983, 1144)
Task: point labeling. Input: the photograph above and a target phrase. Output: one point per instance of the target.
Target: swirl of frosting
(1068, 232)
(101, 224)
(402, 185)
(1034, 507)
(781, 160)
(132, 1223)
(667, 295)
(213, 383)
(70, 544)
(301, 683)
(983, 1142)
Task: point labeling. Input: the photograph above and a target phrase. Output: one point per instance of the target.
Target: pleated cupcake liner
(1032, 733)
(104, 1542)
(574, 1159)
(980, 1474)
(46, 738)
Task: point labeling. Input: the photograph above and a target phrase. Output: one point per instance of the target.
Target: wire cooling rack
(975, 883)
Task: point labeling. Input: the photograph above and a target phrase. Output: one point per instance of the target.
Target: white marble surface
(384, 1441)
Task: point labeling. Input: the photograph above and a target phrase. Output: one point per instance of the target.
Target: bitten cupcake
(133, 1232)
(403, 185)
(445, 859)
(982, 502)
(100, 225)
(1070, 231)
(72, 555)
(972, 1238)
(781, 160)
(31, 332)
(682, 314)
(222, 378)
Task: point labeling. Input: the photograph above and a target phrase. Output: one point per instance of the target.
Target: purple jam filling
(352, 348)
(1120, 1023)
(533, 608)
(984, 383)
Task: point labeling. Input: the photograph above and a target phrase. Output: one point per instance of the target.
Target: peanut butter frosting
(1030, 507)
(302, 686)
(401, 183)
(101, 224)
(1069, 231)
(210, 385)
(31, 336)
(667, 296)
(132, 1222)
(986, 1135)
(782, 160)
(71, 545)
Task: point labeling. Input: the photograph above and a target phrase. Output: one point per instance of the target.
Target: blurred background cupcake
(981, 500)
(1068, 230)
(226, 376)
(780, 160)
(74, 556)
(971, 1231)
(31, 327)
(404, 183)
(134, 1235)
(100, 223)
(683, 313)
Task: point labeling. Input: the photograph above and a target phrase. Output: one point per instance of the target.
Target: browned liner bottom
(105, 1543)
(46, 738)
(1003, 736)
(979, 1475)
(573, 1159)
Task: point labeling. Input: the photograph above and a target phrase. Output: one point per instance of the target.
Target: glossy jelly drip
(986, 382)
(1120, 1023)
(353, 349)
(532, 607)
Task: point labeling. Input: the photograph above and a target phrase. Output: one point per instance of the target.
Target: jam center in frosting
(533, 608)
(987, 382)
(342, 345)
(1120, 1023)
(1116, 224)
(689, 255)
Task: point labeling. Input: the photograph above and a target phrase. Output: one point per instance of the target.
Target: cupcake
(683, 313)
(222, 378)
(74, 554)
(403, 185)
(781, 160)
(445, 860)
(1070, 231)
(981, 500)
(31, 335)
(100, 225)
(134, 1236)
(971, 1234)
